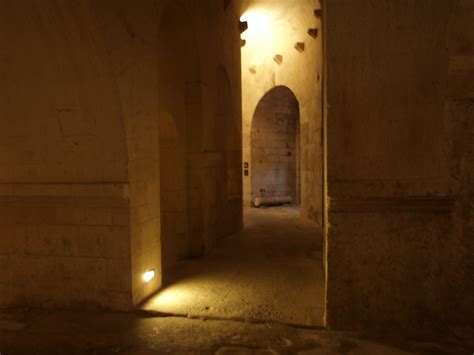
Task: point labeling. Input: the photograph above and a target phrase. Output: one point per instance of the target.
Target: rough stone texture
(399, 155)
(88, 86)
(64, 245)
(274, 27)
(86, 89)
(58, 105)
(459, 110)
(108, 333)
(275, 146)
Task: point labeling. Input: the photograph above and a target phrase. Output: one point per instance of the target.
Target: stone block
(11, 214)
(12, 239)
(67, 214)
(120, 216)
(5, 266)
(98, 216)
(119, 275)
(80, 279)
(52, 240)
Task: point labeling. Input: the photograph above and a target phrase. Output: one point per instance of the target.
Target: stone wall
(64, 245)
(399, 89)
(459, 118)
(64, 206)
(85, 85)
(60, 115)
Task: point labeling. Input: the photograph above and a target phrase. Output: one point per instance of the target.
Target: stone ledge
(65, 189)
(392, 204)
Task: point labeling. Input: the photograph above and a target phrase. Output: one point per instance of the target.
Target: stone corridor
(135, 136)
(270, 271)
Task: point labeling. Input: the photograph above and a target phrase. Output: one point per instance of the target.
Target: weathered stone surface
(399, 133)
(275, 146)
(87, 90)
(131, 333)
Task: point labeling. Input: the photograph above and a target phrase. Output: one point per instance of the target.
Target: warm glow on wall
(148, 276)
(260, 29)
(259, 24)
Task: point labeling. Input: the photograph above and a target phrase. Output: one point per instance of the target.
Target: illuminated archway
(275, 145)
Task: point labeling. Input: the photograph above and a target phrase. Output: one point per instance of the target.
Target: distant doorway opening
(275, 147)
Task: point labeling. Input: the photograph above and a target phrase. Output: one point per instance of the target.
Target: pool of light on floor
(172, 297)
(184, 295)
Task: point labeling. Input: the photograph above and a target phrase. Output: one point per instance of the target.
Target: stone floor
(270, 271)
(47, 333)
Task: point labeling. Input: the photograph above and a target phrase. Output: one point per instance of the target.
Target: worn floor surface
(270, 271)
(40, 332)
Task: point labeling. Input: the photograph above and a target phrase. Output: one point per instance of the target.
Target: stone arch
(224, 108)
(275, 145)
(173, 192)
(180, 94)
(168, 185)
(228, 147)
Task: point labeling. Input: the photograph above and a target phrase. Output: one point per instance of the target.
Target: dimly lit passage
(270, 271)
(255, 172)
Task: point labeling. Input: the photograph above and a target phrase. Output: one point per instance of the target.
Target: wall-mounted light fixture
(148, 276)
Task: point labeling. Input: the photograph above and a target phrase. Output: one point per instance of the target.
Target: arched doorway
(166, 185)
(173, 215)
(272, 269)
(180, 126)
(275, 151)
(228, 144)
